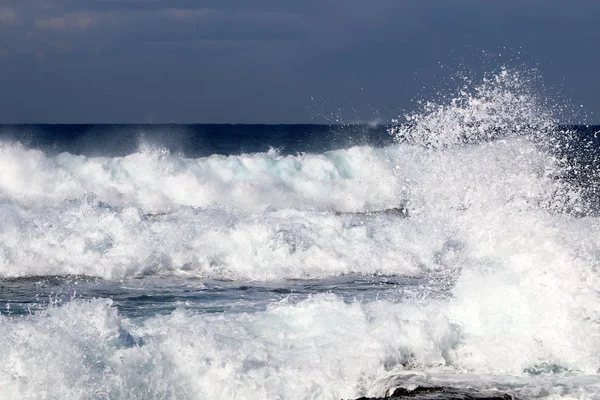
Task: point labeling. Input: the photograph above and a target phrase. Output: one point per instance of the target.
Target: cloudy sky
(274, 61)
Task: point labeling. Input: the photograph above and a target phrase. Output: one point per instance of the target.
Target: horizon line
(239, 123)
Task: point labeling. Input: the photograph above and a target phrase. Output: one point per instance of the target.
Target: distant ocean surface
(457, 250)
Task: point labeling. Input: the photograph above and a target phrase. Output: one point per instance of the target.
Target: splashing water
(502, 105)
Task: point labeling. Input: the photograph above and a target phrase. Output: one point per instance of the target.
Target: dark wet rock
(401, 211)
(156, 214)
(444, 393)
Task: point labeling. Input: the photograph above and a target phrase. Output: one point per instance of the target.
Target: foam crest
(92, 236)
(157, 181)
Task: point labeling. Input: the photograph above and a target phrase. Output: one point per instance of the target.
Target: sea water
(457, 248)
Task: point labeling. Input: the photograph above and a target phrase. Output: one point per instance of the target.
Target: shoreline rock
(444, 393)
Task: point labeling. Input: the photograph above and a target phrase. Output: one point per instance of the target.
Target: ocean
(456, 250)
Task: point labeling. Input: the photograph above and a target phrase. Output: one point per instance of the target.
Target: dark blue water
(192, 141)
(581, 143)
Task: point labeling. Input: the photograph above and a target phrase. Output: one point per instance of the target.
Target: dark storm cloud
(273, 60)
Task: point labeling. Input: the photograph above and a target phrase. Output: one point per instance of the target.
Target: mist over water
(462, 253)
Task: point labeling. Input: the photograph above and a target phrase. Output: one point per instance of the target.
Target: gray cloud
(274, 60)
(8, 16)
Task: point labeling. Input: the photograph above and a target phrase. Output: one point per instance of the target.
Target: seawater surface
(460, 249)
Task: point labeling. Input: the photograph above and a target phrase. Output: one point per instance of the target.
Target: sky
(280, 61)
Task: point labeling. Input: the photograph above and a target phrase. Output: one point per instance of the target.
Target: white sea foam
(157, 181)
(288, 226)
(320, 348)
